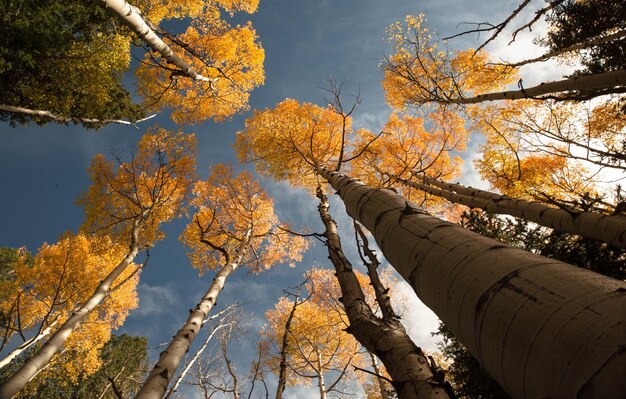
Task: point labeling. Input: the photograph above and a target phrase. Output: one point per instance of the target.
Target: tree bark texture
(540, 327)
(193, 360)
(379, 379)
(406, 364)
(596, 81)
(159, 378)
(130, 15)
(320, 378)
(606, 228)
(67, 119)
(27, 344)
(12, 385)
(284, 346)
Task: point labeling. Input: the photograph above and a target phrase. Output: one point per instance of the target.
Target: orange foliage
(528, 149)
(318, 343)
(288, 141)
(230, 56)
(419, 71)
(143, 192)
(230, 207)
(62, 277)
(406, 147)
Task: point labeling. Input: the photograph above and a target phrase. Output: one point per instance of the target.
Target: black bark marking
(586, 391)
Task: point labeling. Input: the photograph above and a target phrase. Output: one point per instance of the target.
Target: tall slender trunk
(27, 344)
(133, 18)
(596, 81)
(159, 378)
(320, 377)
(381, 382)
(193, 360)
(609, 229)
(540, 327)
(284, 346)
(67, 119)
(405, 363)
(39, 360)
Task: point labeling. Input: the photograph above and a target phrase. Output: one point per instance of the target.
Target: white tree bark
(596, 81)
(68, 119)
(193, 360)
(27, 344)
(12, 385)
(540, 327)
(606, 228)
(159, 378)
(132, 17)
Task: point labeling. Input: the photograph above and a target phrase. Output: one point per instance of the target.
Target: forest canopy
(338, 200)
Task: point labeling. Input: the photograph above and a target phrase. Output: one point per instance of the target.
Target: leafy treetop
(232, 210)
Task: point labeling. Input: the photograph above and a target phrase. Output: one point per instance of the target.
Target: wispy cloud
(154, 299)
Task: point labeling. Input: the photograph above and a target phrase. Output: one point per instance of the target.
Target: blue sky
(43, 169)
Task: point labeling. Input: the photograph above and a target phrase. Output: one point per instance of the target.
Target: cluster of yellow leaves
(231, 56)
(419, 71)
(406, 147)
(143, 192)
(229, 208)
(318, 328)
(61, 278)
(159, 10)
(318, 343)
(528, 149)
(289, 141)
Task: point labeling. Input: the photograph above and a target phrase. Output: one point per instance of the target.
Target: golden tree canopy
(61, 278)
(231, 57)
(148, 189)
(230, 208)
(421, 70)
(287, 142)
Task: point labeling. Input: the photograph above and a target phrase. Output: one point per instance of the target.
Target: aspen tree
(128, 202)
(610, 229)
(235, 225)
(289, 142)
(419, 73)
(519, 314)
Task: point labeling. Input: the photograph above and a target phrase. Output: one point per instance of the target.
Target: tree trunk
(27, 344)
(159, 378)
(193, 360)
(405, 363)
(540, 327)
(67, 119)
(282, 367)
(39, 360)
(609, 229)
(320, 377)
(133, 18)
(381, 382)
(587, 82)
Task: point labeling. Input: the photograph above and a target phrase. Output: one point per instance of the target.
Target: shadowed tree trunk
(406, 364)
(605, 80)
(540, 327)
(159, 378)
(610, 229)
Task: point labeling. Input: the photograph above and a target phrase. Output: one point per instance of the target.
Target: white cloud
(154, 300)
(419, 321)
